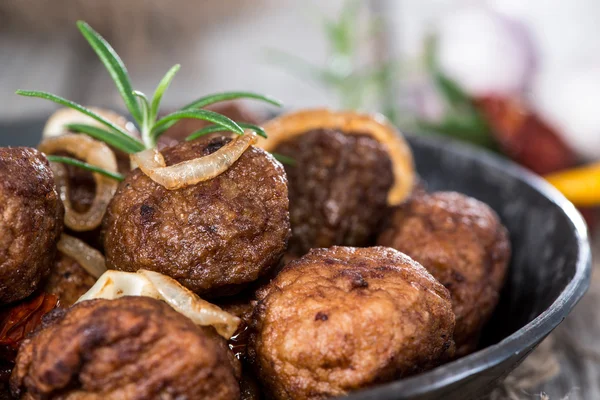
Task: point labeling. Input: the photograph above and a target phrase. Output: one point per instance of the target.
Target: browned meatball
(344, 318)
(338, 189)
(462, 243)
(213, 237)
(31, 221)
(129, 348)
(68, 280)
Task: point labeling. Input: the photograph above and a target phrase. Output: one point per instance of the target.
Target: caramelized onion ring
(89, 258)
(93, 152)
(188, 173)
(114, 284)
(287, 126)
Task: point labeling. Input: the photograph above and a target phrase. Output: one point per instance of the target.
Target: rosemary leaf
(160, 90)
(284, 159)
(225, 96)
(86, 166)
(129, 145)
(146, 126)
(215, 98)
(115, 67)
(205, 115)
(203, 132)
(145, 105)
(214, 128)
(255, 128)
(75, 106)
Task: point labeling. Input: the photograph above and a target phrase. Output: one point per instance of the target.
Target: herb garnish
(144, 111)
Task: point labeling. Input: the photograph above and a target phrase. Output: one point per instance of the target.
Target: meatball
(68, 280)
(132, 347)
(338, 189)
(462, 243)
(31, 221)
(213, 237)
(344, 318)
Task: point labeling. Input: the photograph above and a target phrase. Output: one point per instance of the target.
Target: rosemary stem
(149, 142)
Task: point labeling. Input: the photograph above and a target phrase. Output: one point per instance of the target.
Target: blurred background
(517, 77)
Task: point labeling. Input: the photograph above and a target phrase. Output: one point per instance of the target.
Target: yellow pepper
(580, 185)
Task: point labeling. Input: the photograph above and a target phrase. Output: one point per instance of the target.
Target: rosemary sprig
(342, 74)
(144, 111)
(108, 137)
(85, 166)
(114, 65)
(462, 120)
(215, 128)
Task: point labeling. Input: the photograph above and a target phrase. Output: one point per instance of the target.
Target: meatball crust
(463, 244)
(344, 318)
(338, 189)
(129, 348)
(31, 221)
(68, 280)
(213, 237)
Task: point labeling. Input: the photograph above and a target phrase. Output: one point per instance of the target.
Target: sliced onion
(188, 173)
(114, 284)
(93, 152)
(89, 258)
(288, 126)
(55, 126)
(190, 304)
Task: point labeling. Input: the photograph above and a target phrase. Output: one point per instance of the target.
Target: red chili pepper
(17, 321)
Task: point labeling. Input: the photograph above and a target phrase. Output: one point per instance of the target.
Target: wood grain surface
(567, 364)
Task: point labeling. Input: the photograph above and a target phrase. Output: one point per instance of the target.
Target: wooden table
(567, 364)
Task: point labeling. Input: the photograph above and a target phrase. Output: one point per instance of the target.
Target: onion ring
(190, 172)
(93, 152)
(287, 126)
(89, 258)
(55, 126)
(114, 284)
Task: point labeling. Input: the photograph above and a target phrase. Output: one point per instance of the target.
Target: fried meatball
(338, 189)
(129, 348)
(68, 280)
(462, 243)
(31, 221)
(344, 318)
(213, 237)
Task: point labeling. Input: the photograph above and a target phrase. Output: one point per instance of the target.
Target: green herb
(462, 120)
(342, 74)
(284, 159)
(85, 166)
(144, 111)
(215, 128)
(123, 142)
(114, 65)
